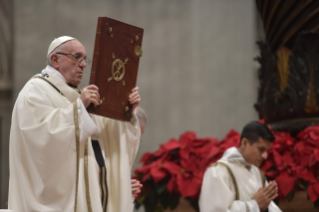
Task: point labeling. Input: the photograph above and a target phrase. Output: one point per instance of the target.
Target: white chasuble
(52, 162)
(218, 192)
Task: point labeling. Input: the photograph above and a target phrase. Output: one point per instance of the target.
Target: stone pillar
(6, 88)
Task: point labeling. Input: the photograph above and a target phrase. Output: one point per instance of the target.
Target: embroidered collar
(233, 156)
(52, 71)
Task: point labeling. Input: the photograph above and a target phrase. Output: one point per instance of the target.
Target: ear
(244, 142)
(54, 61)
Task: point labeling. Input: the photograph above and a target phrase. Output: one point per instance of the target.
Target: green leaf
(168, 200)
(316, 203)
(303, 184)
(140, 200)
(161, 187)
(173, 201)
(151, 202)
(290, 195)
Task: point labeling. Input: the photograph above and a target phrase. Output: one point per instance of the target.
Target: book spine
(96, 53)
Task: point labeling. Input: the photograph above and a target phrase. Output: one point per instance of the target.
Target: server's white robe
(43, 158)
(218, 193)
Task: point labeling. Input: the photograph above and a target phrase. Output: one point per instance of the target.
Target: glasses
(78, 59)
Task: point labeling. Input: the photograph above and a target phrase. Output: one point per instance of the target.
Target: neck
(73, 86)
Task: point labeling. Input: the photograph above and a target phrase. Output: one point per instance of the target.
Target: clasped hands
(90, 94)
(265, 195)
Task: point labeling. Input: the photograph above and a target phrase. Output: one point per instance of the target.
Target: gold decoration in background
(311, 102)
(283, 66)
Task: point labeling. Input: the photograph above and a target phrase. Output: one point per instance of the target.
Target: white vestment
(46, 151)
(218, 190)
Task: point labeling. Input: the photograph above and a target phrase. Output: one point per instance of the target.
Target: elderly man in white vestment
(61, 157)
(235, 183)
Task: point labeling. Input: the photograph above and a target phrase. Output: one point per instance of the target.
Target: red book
(116, 57)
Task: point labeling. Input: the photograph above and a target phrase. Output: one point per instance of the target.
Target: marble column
(6, 88)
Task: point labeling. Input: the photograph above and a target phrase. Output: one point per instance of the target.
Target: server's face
(256, 152)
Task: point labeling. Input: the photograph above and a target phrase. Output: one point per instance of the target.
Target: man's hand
(135, 98)
(90, 94)
(265, 195)
(136, 187)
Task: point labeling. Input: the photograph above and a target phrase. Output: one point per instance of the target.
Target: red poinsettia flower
(268, 166)
(232, 139)
(312, 176)
(285, 179)
(310, 135)
(154, 170)
(188, 183)
(181, 163)
(283, 141)
(306, 150)
(186, 148)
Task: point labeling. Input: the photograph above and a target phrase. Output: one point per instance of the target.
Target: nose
(82, 64)
(264, 155)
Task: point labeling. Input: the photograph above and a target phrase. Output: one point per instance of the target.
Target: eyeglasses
(78, 59)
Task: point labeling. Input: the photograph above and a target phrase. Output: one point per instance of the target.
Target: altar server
(235, 183)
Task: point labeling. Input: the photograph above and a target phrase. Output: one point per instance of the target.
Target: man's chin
(258, 163)
(77, 81)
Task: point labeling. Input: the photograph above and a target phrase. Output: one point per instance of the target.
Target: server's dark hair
(253, 130)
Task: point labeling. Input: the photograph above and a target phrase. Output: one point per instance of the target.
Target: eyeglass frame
(79, 61)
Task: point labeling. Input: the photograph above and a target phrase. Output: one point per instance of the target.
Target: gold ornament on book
(138, 51)
(118, 70)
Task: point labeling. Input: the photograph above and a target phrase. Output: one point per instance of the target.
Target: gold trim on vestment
(104, 188)
(77, 142)
(231, 176)
(248, 167)
(86, 175)
(39, 77)
(101, 192)
(263, 178)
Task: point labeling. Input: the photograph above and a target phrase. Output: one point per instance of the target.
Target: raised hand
(90, 94)
(135, 98)
(136, 187)
(265, 195)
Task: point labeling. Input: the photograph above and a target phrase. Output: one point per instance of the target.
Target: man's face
(257, 152)
(67, 65)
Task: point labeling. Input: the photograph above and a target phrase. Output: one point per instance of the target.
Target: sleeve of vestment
(273, 207)
(217, 193)
(116, 132)
(86, 124)
(120, 141)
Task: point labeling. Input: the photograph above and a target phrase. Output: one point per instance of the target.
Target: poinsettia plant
(294, 163)
(176, 170)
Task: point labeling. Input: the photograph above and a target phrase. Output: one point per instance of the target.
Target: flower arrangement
(293, 163)
(176, 170)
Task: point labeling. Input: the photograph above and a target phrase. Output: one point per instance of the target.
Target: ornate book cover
(116, 57)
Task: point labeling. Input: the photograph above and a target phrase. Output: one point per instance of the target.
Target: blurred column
(6, 88)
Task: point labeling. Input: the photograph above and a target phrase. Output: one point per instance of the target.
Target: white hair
(57, 49)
